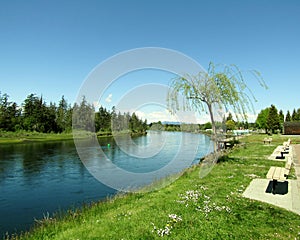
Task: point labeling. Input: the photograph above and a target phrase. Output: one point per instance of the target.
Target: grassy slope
(215, 209)
(28, 137)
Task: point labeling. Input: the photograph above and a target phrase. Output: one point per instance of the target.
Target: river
(37, 179)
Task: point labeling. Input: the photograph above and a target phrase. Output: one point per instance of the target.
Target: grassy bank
(190, 208)
(28, 137)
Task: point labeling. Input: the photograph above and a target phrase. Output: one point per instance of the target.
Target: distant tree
(229, 117)
(145, 125)
(134, 123)
(281, 120)
(294, 115)
(9, 114)
(242, 125)
(157, 126)
(261, 120)
(103, 120)
(246, 125)
(50, 124)
(273, 122)
(31, 113)
(298, 114)
(230, 124)
(83, 116)
(118, 123)
(225, 88)
(37, 116)
(288, 117)
(62, 115)
(207, 125)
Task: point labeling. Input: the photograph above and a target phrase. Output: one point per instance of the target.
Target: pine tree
(294, 115)
(288, 117)
(273, 122)
(61, 115)
(281, 120)
(9, 114)
(298, 114)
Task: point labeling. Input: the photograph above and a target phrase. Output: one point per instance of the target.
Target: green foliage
(172, 127)
(223, 88)
(157, 126)
(294, 115)
(230, 125)
(288, 117)
(9, 114)
(273, 122)
(64, 116)
(37, 116)
(207, 126)
(229, 117)
(261, 120)
(103, 120)
(83, 116)
(281, 120)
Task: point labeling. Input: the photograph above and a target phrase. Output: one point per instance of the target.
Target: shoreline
(146, 213)
(35, 137)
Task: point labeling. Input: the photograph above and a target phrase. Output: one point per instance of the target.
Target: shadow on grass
(224, 158)
(281, 187)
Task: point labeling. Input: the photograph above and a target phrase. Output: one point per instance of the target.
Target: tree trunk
(213, 124)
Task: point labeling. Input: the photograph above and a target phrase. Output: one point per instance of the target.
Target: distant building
(291, 128)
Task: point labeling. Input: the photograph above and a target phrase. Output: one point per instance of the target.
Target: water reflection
(38, 178)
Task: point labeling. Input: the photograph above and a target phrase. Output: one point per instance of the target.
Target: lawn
(190, 208)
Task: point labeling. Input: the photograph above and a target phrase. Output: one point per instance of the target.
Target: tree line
(35, 114)
(272, 120)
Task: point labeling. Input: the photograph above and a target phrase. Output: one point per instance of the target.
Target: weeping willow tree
(223, 89)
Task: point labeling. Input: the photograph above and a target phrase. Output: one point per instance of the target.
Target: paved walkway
(275, 156)
(296, 158)
(288, 195)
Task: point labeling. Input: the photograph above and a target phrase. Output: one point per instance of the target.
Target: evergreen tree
(51, 125)
(9, 114)
(281, 120)
(273, 122)
(229, 117)
(30, 121)
(68, 116)
(288, 116)
(294, 115)
(103, 120)
(298, 114)
(83, 116)
(61, 115)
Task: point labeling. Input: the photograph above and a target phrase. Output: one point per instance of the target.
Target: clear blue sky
(49, 47)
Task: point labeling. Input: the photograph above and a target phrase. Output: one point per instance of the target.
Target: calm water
(41, 178)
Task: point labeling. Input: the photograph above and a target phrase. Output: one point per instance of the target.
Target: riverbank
(190, 208)
(31, 137)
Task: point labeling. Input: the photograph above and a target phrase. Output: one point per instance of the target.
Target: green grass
(206, 208)
(28, 137)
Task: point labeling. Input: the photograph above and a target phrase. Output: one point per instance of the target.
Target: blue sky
(50, 47)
